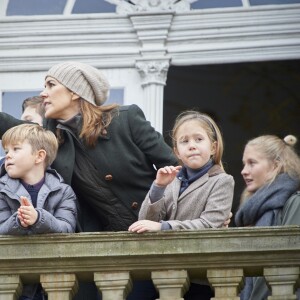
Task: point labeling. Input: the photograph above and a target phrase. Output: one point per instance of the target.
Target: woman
(272, 176)
(111, 147)
(106, 153)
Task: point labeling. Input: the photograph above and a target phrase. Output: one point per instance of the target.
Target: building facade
(165, 56)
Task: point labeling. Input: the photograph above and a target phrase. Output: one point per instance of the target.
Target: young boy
(33, 198)
(33, 110)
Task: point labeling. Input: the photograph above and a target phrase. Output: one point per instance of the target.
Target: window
(92, 6)
(264, 2)
(35, 7)
(116, 96)
(215, 3)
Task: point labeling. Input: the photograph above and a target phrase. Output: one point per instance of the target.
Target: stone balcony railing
(170, 259)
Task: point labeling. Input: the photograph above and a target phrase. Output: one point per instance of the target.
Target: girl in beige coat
(196, 195)
(199, 193)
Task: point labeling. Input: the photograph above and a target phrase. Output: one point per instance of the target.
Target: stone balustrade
(171, 259)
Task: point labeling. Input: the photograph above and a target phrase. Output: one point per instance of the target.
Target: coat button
(134, 205)
(108, 177)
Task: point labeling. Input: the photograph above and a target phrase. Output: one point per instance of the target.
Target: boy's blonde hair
(209, 125)
(38, 137)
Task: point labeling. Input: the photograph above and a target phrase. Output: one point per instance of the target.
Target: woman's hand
(27, 213)
(166, 175)
(144, 226)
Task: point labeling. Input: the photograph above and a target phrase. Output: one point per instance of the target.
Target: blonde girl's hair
(38, 137)
(279, 151)
(209, 125)
(95, 120)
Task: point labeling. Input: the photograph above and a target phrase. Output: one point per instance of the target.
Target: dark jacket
(289, 215)
(56, 206)
(124, 158)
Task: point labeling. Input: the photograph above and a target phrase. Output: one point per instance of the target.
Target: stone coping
(196, 251)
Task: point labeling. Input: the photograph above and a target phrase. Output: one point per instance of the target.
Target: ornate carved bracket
(125, 7)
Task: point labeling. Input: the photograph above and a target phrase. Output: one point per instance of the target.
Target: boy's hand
(27, 213)
(24, 201)
(166, 175)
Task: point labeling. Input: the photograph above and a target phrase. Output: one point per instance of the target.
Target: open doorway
(245, 99)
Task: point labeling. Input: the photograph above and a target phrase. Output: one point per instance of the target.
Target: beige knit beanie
(84, 80)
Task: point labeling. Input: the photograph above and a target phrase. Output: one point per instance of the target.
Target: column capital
(153, 71)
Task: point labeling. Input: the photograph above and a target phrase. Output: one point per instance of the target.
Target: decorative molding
(153, 71)
(125, 7)
(193, 38)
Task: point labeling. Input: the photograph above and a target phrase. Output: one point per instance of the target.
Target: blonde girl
(271, 197)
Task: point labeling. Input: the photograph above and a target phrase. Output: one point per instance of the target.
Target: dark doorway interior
(246, 100)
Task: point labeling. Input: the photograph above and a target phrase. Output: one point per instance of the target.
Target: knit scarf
(260, 208)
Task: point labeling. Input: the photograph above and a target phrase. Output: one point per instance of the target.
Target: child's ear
(75, 96)
(40, 156)
(213, 148)
(176, 152)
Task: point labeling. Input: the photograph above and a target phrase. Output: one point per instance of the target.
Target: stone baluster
(226, 282)
(10, 287)
(113, 286)
(282, 281)
(59, 286)
(171, 284)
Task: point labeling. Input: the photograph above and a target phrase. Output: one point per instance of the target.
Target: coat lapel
(213, 171)
(193, 186)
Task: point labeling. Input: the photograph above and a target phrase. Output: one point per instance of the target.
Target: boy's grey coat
(206, 203)
(56, 205)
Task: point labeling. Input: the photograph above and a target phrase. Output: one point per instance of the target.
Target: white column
(113, 286)
(154, 75)
(152, 30)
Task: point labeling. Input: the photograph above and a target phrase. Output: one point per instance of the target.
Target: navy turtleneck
(33, 190)
(188, 175)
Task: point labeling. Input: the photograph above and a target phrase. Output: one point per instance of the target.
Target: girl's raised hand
(166, 175)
